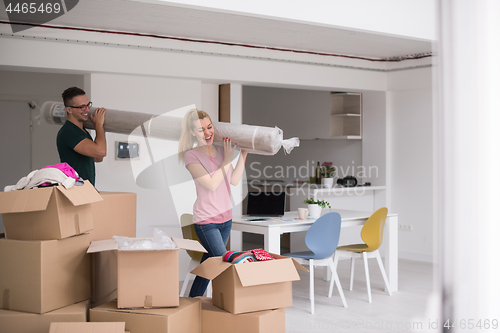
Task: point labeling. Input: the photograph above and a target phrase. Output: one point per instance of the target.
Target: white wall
(374, 143)
(410, 151)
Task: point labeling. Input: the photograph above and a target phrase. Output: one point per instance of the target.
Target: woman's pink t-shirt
(210, 206)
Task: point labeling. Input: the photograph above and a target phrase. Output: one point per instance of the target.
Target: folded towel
(262, 255)
(246, 256)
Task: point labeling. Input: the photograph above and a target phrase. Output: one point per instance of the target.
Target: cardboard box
(15, 321)
(147, 278)
(103, 266)
(108, 298)
(115, 215)
(115, 327)
(216, 320)
(252, 286)
(186, 318)
(48, 213)
(41, 276)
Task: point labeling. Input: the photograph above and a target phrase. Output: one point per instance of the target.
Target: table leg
(272, 242)
(391, 251)
(236, 240)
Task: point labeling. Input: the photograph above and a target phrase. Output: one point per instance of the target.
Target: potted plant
(327, 173)
(314, 206)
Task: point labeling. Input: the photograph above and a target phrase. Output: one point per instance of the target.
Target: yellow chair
(188, 232)
(372, 235)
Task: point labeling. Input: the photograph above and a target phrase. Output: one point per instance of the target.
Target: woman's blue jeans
(213, 237)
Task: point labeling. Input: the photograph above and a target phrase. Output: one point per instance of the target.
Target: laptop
(263, 206)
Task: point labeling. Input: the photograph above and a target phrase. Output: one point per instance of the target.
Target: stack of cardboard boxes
(58, 254)
(248, 297)
(45, 272)
(44, 268)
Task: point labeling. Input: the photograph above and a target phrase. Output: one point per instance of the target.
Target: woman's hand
(240, 167)
(228, 151)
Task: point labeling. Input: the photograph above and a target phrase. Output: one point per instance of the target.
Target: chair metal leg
(311, 284)
(382, 270)
(352, 274)
(335, 278)
(367, 274)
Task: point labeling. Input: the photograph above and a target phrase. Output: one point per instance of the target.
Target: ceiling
(202, 24)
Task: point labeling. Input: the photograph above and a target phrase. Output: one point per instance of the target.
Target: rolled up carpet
(260, 140)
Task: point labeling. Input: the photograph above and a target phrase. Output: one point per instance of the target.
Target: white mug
(303, 213)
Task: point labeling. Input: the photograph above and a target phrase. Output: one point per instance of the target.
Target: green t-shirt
(67, 138)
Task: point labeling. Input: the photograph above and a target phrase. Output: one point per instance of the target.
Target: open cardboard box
(48, 213)
(109, 327)
(216, 320)
(252, 286)
(147, 278)
(16, 321)
(186, 318)
(41, 276)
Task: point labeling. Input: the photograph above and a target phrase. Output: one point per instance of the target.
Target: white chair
(188, 232)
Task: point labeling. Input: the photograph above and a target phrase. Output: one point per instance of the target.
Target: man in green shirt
(74, 143)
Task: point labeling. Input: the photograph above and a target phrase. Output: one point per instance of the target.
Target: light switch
(126, 150)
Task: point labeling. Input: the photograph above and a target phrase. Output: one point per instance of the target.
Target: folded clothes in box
(250, 286)
(48, 213)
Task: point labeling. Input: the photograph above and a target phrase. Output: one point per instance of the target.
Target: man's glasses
(82, 107)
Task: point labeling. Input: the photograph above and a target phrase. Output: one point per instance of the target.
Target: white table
(272, 229)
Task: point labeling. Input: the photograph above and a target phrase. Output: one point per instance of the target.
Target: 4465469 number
(472, 324)
(32, 8)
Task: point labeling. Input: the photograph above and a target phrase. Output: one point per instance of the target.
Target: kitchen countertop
(314, 187)
(322, 189)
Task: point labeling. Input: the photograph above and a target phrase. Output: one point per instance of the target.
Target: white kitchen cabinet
(345, 116)
(307, 114)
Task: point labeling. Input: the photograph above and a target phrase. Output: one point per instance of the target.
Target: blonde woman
(212, 171)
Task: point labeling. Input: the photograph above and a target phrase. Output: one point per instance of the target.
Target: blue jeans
(213, 237)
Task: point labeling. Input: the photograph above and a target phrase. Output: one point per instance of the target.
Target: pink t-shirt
(210, 206)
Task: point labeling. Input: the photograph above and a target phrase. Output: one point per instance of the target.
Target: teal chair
(322, 239)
